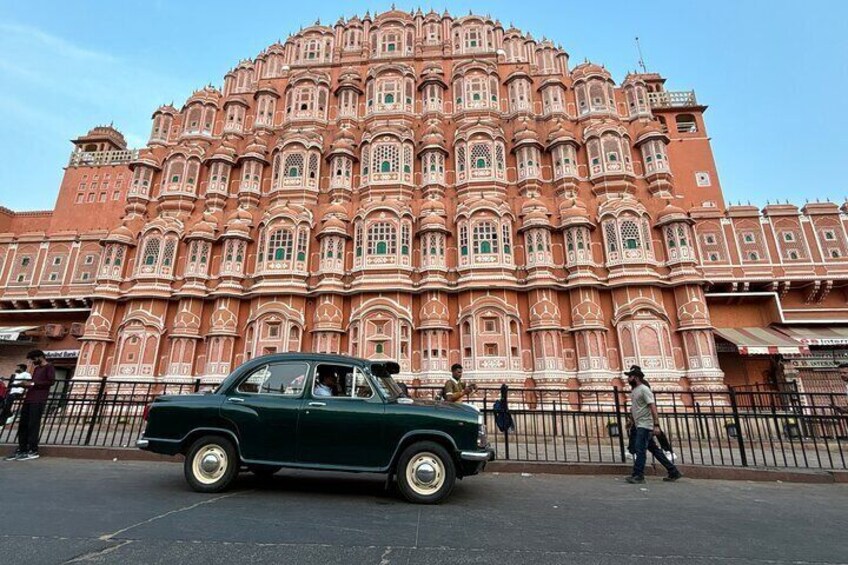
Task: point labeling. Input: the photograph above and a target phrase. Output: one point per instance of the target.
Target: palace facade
(429, 189)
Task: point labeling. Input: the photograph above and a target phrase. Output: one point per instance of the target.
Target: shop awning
(817, 336)
(12, 333)
(762, 341)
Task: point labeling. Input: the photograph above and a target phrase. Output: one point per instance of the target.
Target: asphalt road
(71, 511)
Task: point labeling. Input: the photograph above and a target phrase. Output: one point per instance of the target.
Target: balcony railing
(679, 99)
(100, 158)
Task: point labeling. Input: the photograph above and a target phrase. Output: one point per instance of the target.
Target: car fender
(422, 435)
(191, 436)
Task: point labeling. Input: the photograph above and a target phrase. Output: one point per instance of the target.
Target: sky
(773, 73)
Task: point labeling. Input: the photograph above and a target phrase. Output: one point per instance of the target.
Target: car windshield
(384, 381)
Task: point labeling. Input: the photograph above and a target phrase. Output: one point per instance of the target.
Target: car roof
(321, 357)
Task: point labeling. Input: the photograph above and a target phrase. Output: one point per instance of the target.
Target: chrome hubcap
(209, 464)
(425, 473)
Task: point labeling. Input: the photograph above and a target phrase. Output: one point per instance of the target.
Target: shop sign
(62, 354)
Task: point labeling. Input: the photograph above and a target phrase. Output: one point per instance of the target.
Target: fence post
(197, 385)
(98, 404)
(739, 440)
(620, 426)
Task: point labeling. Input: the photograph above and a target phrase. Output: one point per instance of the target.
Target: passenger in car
(325, 383)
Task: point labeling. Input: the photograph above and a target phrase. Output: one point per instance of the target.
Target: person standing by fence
(15, 392)
(35, 400)
(647, 425)
(454, 389)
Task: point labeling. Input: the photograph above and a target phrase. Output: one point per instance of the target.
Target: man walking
(646, 425)
(35, 400)
(455, 390)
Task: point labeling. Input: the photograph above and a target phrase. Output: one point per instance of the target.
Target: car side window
(341, 381)
(286, 379)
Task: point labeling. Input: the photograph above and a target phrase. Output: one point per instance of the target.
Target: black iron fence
(744, 427)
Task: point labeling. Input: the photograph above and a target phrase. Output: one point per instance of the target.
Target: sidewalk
(715, 472)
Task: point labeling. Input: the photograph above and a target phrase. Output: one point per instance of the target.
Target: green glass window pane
(278, 254)
(485, 247)
(385, 167)
(382, 249)
(390, 98)
(464, 250)
(404, 249)
(301, 256)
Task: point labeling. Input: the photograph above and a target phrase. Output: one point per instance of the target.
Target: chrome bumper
(142, 444)
(487, 455)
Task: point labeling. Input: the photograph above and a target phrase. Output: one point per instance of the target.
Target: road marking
(108, 537)
(102, 552)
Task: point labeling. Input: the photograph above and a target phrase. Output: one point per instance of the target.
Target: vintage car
(318, 412)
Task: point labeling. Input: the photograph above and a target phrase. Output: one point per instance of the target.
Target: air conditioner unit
(55, 331)
(77, 329)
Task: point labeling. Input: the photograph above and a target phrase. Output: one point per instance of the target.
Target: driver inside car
(326, 383)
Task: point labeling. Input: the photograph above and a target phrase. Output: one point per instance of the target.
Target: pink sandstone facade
(432, 190)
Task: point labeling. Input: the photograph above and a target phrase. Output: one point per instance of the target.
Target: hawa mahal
(433, 190)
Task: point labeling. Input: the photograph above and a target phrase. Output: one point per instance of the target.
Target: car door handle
(235, 399)
(317, 403)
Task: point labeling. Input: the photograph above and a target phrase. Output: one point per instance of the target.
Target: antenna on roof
(641, 58)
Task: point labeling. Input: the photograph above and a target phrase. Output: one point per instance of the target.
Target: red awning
(762, 341)
(817, 336)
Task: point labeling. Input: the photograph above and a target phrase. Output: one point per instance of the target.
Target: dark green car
(319, 412)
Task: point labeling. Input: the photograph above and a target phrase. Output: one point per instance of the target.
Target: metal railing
(745, 427)
(674, 99)
(98, 158)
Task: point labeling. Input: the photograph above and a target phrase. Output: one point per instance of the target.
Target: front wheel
(211, 464)
(425, 473)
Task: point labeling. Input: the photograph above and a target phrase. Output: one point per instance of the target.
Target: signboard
(62, 354)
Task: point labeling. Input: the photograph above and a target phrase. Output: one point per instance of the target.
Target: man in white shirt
(16, 392)
(326, 384)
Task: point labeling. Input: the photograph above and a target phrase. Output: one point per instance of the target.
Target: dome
(524, 136)
(587, 69)
(544, 314)
(534, 213)
(573, 212)
(203, 229)
(121, 234)
(560, 135)
(238, 224)
(650, 131)
(672, 213)
(433, 222)
(333, 226)
(434, 314)
(336, 209)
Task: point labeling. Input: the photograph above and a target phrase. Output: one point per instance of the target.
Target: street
(77, 511)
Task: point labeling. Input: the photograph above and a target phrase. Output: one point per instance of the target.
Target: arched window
(686, 123)
(627, 239)
(382, 238)
(158, 254)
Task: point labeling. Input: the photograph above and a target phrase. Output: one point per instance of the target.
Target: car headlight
(482, 437)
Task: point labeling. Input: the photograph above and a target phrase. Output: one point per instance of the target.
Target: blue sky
(773, 73)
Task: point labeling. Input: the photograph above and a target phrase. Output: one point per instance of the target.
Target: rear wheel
(211, 464)
(425, 473)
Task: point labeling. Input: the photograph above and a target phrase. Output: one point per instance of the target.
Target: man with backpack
(647, 423)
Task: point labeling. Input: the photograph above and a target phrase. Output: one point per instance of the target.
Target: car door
(346, 429)
(264, 406)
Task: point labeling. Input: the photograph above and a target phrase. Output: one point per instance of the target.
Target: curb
(690, 471)
(816, 476)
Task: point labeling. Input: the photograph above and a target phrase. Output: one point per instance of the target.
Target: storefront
(756, 356)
